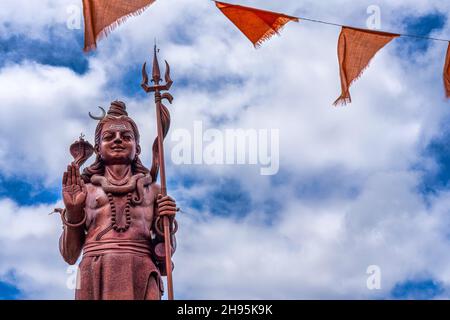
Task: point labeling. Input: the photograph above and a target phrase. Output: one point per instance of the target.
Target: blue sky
(361, 185)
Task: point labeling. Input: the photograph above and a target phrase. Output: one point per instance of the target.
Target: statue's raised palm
(74, 191)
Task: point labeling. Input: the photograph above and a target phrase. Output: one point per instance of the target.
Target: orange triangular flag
(447, 73)
(356, 47)
(103, 16)
(257, 25)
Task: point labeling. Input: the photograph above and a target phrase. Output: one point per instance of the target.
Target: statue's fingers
(167, 208)
(77, 174)
(69, 175)
(74, 174)
(167, 203)
(168, 213)
(166, 198)
(64, 179)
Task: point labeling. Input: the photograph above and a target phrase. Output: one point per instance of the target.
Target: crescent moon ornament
(98, 117)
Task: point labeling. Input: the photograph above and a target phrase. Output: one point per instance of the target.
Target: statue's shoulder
(151, 189)
(155, 188)
(90, 186)
(94, 191)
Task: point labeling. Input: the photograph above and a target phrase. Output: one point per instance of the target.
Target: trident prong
(156, 78)
(144, 83)
(167, 77)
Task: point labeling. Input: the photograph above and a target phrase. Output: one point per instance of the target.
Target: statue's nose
(118, 139)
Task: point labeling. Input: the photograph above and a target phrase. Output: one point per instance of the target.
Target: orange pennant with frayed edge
(447, 73)
(103, 16)
(356, 47)
(257, 25)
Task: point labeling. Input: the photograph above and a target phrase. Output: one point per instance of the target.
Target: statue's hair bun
(117, 109)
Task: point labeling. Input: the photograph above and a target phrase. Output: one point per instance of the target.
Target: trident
(160, 108)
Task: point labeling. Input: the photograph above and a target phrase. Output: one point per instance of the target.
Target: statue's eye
(108, 137)
(127, 137)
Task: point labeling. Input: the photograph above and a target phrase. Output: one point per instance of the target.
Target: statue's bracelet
(73, 225)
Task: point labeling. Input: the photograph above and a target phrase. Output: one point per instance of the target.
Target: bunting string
(356, 46)
(400, 34)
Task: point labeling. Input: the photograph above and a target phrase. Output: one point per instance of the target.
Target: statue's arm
(71, 241)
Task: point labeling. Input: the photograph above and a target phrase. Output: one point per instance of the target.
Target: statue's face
(117, 143)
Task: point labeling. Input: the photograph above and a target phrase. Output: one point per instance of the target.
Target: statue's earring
(138, 151)
(97, 152)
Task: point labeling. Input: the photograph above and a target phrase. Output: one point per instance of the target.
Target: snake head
(81, 150)
(167, 96)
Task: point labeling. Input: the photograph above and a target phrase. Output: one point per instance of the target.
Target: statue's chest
(120, 209)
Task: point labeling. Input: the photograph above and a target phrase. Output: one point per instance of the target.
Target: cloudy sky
(357, 186)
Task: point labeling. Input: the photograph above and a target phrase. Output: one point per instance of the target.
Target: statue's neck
(118, 173)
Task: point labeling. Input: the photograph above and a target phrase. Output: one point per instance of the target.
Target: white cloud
(315, 251)
(29, 258)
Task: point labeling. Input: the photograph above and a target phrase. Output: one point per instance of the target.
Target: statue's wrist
(73, 216)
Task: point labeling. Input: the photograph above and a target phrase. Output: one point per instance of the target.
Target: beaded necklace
(115, 226)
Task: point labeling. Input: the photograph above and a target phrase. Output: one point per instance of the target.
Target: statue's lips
(118, 149)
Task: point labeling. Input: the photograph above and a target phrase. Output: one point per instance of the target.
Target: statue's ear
(138, 149)
(97, 149)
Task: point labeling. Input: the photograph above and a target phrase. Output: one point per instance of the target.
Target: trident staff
(163, 123)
